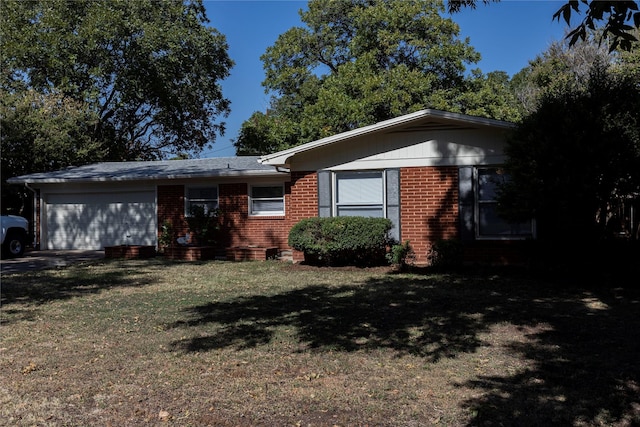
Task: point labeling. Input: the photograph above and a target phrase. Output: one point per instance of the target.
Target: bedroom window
(200, 198)
(490, 224)
(266, 200)
(359, 194)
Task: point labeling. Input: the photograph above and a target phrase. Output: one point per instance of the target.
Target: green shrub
(445, 254)
(400, 255)
(203, 224)
(166, 236)
(352, 240)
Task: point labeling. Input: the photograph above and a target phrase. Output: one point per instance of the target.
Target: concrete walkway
(39, 260)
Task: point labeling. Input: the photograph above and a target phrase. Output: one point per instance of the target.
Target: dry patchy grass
(132, 343)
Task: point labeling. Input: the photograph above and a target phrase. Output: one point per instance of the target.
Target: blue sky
(507, 34)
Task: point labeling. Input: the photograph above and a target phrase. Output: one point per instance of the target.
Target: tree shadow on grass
(22, 293)
(586, 365)
(584, 349)
(344, 318)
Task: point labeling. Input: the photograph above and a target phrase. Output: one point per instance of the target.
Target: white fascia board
(214, 174)
(281, 158)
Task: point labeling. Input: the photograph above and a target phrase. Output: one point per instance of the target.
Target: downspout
(36, 241)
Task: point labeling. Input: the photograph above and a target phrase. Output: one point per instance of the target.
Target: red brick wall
(237, 227)
(429, 211)
(171, 208)
(428, 207)
(304, 201)
(304, 196)
(240, 229)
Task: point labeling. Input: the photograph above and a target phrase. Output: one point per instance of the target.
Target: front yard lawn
(148, 342)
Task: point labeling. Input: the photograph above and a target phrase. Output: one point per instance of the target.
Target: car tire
(14, 244)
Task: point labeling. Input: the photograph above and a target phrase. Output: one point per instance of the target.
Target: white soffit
(414, 122)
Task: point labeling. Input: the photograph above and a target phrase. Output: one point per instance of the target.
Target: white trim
(265, 213)
(334, 189)
(281, 158)
(212, 174)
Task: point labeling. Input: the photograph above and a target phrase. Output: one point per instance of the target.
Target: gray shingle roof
(162, 169)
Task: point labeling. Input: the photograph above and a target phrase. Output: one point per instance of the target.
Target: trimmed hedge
(338, 241)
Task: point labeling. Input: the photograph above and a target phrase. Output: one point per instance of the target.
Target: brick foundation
(191, 253)
(129, 251)
(251, 253)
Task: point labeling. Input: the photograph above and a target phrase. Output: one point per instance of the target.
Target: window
(359, 194)
(201, 197)
(489, 224)
(266, 200)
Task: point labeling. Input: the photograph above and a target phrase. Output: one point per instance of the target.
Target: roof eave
(86, 180)
(281, 158)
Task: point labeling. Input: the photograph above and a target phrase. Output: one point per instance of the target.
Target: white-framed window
(200, 197)
(266, 200)
(359, 193)
(489, 224)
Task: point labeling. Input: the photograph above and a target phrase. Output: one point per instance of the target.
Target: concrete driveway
(39, 260)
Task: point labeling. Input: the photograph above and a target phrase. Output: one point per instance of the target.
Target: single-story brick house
(430, 172)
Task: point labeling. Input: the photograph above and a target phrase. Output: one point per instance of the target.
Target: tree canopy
(92, 80)
(148, 73)
(560, 67)
(616, 18)
(359, 62)
(577, 156)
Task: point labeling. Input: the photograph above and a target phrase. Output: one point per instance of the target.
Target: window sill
(259, 217)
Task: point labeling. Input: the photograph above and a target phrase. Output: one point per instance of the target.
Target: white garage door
(93, 221)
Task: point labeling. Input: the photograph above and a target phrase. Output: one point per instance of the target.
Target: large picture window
(266, 200)
(201, 197)
(359, 194)
(490, 224)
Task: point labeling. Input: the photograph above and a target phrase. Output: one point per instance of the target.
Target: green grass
(130, 343)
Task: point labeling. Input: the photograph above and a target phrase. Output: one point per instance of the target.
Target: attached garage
(106, 204)
(98, 219)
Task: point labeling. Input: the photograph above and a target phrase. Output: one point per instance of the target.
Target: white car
(15, 230)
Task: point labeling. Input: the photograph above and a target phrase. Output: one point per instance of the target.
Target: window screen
(201, 197)
(490, 224)
(359, 194)
(267, 200)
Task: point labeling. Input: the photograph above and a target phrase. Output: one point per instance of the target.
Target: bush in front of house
(445, 254)
(339, 241)
(203, 223)
(401, 255)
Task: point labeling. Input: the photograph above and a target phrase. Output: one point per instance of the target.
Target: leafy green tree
(559, 67)
(620, 17)
(148, 72)
(42, 132)
(576, 156)
(492, 95)
(628, 61)
(57, 127)
(265, 133)
(359, 62)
